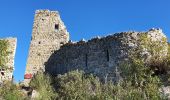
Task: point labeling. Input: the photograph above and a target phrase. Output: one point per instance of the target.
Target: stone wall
(49, 33)
(103, 56)
(7, 74)
(51, 49)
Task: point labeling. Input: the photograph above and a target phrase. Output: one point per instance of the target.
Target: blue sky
(83, 19)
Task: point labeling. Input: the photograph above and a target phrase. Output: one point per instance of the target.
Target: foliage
(9, 91)
(139, 79)
(165, 78)
(3, 52)
(77, 85)
(42, 83)
(140, 75)
(153, 48)
(160, 64)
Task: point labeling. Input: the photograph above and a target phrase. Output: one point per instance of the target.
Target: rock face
(51, 50)
(49, 33)
(103, 56)
(7, 74)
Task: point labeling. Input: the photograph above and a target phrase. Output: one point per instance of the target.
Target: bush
(77, 85)
(9, 91)
(42, 84)
(140, 81)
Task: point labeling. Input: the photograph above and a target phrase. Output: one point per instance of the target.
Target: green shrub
(42, 84)
(140, 82)
(155, 49)
(9, 91)
(76, 85)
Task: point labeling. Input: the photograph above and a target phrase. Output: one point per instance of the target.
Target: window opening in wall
(107, 54)
(86, 60)
(43, 19)
(56, 27)
(2, 73)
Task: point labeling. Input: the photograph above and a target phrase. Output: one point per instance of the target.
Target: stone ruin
(49, 34)
(7, 73)
(104, 56)
(51, 50)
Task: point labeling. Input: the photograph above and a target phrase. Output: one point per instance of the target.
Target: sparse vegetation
(43, 84)
(10, 91)
(140, 80)
(76, 85)
(154, 48)
(3, 53)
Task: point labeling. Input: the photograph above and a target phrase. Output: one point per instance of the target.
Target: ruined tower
(49, 34)
(6, 74)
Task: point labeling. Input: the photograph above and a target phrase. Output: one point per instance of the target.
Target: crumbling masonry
(49, 33)
(51, 50)
(6, 74)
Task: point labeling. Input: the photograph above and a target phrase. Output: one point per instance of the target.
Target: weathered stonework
(103, 56)
(51, 50)
(7, 73)
(49, 33)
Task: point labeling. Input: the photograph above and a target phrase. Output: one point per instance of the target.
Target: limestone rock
(34, 95)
